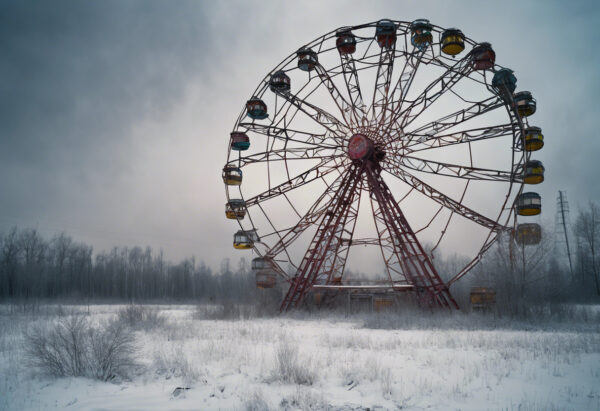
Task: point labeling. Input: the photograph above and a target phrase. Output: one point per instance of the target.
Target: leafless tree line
(587, 229)
(33, 268)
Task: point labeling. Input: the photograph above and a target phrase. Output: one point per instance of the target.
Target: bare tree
(530, 263)
(587, 230)
(60, 246)
(33, 270)
(9, 261)
(521, 275)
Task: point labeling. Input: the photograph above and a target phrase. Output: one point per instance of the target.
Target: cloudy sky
(115, 115)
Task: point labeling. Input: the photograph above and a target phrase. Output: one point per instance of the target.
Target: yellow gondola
(382, 302)
(529, 204)
(232, 176)
(261, 263)
(482, 298)
(534, 172)
(242, 241)
(235, 209)
(266, 279)
(526, 104)
(266, 276)
(453, 41)
(533, 139)
(528, 234)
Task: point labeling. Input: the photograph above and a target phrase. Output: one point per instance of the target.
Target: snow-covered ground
(376, 361)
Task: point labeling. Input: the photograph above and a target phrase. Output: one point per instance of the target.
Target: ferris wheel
(380, 143)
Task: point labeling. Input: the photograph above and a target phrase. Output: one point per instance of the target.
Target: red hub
(359, 147)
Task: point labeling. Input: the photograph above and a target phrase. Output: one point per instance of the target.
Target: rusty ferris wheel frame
(365, 140)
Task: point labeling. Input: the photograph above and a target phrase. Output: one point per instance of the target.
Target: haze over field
(116, 115)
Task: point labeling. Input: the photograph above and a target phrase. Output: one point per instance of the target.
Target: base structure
(408, 266)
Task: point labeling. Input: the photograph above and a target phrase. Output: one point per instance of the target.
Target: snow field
(330, 362)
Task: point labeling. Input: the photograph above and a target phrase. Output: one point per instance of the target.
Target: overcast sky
(114, 116)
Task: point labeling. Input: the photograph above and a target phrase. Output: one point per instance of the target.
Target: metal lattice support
(319, 263)
(414, 264)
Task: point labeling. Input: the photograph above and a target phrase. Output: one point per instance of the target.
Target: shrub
(112, 351)
(59, 351)
(141, 317)
(305, 399)
(386, 382)
(175, 363)
(288, 368)
(227, 310)
(256, 402)
(74, 347)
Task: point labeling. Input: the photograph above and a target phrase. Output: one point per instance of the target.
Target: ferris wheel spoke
(274, 264)
(353, 86)
(312, 216)
(285, 154)
(486, 246)
(287, 134)
(435, 127)
(411, 65)
(325, 119)
(428, 141)
(314, 173)
(432, 92)
(398, 172)
(454, 170)
(345, 108)
(382, 86)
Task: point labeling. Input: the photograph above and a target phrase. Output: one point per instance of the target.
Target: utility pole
(562, 225)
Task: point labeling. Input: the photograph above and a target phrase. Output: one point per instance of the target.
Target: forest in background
(34, 268)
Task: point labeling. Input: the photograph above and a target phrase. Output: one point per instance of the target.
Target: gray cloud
(75, 78)
(115, 115)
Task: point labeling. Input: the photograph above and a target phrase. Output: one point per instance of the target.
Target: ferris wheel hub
(359, 147)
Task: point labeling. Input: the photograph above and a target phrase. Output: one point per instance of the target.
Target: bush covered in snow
(73, 346)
